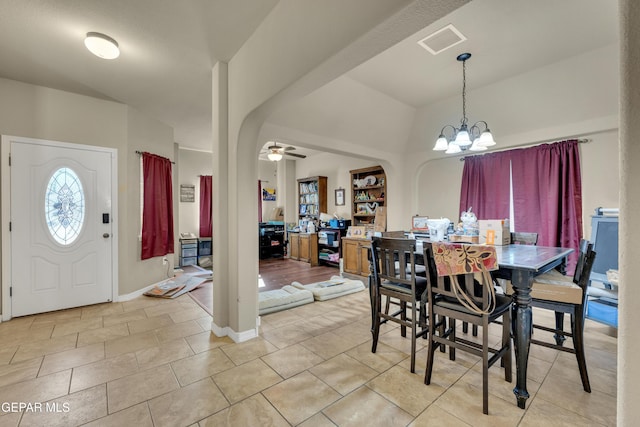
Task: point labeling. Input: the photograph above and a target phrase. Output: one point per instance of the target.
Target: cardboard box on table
(494, 232)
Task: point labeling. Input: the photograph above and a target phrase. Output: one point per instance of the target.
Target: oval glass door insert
(64, 206)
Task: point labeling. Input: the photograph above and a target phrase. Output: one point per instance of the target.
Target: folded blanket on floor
(282, 299)
(335, 287)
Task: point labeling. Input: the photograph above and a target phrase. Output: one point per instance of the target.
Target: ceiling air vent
(442, 39)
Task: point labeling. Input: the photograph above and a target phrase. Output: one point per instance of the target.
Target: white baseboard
(132, 295)
(235, 336)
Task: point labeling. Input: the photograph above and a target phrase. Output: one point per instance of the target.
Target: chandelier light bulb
(462, 138)
(477, 146)
(486, 139)
(453, 149)
(441, 144)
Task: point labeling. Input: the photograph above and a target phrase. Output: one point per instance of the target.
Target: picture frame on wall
(340, 197)
(187, 193)
(268, 194)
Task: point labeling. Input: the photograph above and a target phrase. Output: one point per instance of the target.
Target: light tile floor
(154, 362)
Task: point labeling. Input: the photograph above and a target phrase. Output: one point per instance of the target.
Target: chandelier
(474, 138)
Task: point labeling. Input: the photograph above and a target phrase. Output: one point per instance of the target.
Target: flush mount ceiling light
(476, 137)
(102, 45)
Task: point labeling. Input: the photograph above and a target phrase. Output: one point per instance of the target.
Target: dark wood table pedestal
(521, 326)
(522, 263)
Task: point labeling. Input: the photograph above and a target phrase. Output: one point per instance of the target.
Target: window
(64, 206)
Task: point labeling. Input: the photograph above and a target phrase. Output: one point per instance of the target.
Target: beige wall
(600, 175)
(143, 134)
(191, 164)
(268, 174)
(336, 168)
(39, 112)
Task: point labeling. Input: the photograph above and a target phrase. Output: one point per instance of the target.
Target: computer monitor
(604, 237)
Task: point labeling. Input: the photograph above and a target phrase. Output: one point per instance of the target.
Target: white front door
(61, 226)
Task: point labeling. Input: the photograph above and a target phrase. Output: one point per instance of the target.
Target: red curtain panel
(486, 186)
(205, 206)
(547, 191)
(547, 194)
(157, 211)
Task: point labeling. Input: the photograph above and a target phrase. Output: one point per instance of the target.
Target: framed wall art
(340, 197)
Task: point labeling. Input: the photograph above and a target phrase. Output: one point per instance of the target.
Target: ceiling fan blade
(301, 156)
(289, 148)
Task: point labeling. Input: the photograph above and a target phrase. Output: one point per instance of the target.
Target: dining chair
(394, 276)
(522, 238)
(453, 294)
(420, 270)
(566, 294)
(517, 238)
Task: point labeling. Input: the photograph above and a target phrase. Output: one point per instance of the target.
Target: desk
(522, 263)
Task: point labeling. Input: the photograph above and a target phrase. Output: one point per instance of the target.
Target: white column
(220, 198)
(628, 410)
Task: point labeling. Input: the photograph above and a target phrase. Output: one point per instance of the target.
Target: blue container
(603, 311)
(339, 223)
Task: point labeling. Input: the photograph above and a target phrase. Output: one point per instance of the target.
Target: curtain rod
(141, 152)
(580, 141)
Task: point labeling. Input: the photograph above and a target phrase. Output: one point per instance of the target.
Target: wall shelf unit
(329, 245)
(312, 197)
(368, 193)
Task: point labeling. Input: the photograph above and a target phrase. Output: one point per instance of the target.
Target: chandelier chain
(464, 92)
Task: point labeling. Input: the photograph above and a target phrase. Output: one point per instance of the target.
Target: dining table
(520, 264)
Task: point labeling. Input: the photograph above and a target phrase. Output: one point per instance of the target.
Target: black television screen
(604, 236)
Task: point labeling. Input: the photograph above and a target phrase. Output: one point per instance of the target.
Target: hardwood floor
(274, 273)
(277, 272)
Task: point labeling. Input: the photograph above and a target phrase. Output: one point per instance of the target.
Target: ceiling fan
(275, 152)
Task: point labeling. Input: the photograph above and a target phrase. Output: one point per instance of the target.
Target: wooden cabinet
(294, 245)
(355, 256)
(304, 247)
(368, 193)
(312, 197)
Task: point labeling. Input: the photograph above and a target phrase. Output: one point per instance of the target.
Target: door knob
(105, 235)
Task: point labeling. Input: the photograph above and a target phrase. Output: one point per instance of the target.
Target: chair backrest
(519, 238)
(459, 268)
(393, 259)
(397, 234)
(583, 266)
